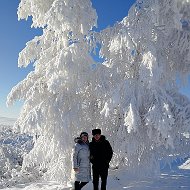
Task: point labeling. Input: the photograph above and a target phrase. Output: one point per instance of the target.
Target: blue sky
(13, 37)
(15, 34)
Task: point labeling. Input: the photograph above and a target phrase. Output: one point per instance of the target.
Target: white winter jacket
(81, 161)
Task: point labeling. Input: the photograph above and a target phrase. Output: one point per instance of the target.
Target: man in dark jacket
(100, 156)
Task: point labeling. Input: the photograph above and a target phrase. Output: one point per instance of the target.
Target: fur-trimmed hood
(79, 140)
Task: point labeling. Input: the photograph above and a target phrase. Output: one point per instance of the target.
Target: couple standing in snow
(98, 152)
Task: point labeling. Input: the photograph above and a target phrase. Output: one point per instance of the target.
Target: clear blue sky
(13, 37)
(14, 34)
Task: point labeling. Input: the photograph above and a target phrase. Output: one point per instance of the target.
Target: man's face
(97, 137)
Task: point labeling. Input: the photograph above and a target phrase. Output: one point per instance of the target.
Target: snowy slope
(7, 121)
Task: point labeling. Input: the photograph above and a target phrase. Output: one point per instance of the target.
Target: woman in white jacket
(81, 161)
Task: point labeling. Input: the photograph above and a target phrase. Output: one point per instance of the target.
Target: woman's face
(84, 138)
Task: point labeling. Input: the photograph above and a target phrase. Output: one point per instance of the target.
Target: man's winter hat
(84, 134)
(96, 131)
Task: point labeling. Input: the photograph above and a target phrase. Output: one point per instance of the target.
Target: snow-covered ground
(178, 179)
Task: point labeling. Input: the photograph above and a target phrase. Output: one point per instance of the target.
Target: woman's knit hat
(83, 134)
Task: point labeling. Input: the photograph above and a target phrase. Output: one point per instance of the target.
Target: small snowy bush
(13, 146)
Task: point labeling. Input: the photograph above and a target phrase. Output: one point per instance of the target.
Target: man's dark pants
(100, 173)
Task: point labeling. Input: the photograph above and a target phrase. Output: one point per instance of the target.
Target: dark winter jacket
(100, 152)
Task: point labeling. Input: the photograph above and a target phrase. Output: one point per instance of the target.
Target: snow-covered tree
(58, 97)
(147, 53)
(133, 96)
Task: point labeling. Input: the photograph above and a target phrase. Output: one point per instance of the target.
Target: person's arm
(91, 153)
(109, 151)
(75, 158)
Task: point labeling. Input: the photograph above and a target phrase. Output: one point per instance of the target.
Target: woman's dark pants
(79, 185)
